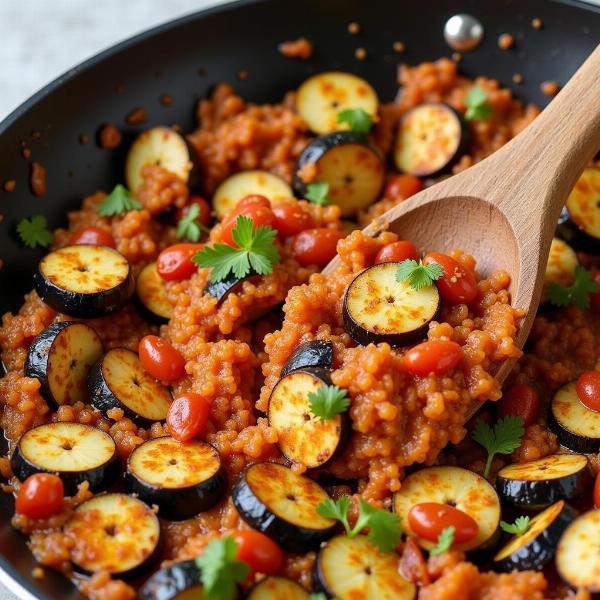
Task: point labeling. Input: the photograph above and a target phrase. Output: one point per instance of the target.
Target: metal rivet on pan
(463, 32)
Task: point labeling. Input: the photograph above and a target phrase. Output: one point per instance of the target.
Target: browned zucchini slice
(151, 292)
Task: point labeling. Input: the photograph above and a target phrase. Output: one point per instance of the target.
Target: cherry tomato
(401, 187)
(203, 206)
(521, 400)
(187, 416)
(588, 389)
(597, 492)
(160, 359)
(175, 262)
(256, 207)
(40, 496)
(397, 252)
(291, 219)
(434, 356)
(595, 297)
(316, 246)
(94, 236)
(429, 519)
(457, 285)
(257, 550)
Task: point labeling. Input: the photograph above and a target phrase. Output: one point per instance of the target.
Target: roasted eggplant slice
(114, 533)
(74, 452)
(350, 568)
(322, 97)
(118, 380)
(181, 479)
(84, 281)
(542, 482)
(536, 547)
(304, 438)
(277, 588)
(457, 487)
(354, 169)
(378, 308)
(562, 262)
(431, 138)
(61, 358)
(151, 291)
(231, 283)
(316, 353)
(283, 505)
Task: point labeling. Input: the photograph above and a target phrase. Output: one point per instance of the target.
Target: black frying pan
(186, 57)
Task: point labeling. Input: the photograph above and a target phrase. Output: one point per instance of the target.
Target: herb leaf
(188, 227)
(337, 510)
(418, 274)
(120, 200)
(504, 438)
(220, 570)
(477, 110)
(34, 232)
(359, 120)
(577, 294)
(519, 527)
(318, 596)
(328, 402)
(445, 541)
(317, 193)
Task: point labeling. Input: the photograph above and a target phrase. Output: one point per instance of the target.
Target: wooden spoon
(504, 209)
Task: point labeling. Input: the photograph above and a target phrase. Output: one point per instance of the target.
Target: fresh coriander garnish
(445, 541)
(34, 232)
(120, 200)
(384, 527)
(577, 294)
(477, 109)
(417, 274)
(188, 227)
(519, 527)
(504, 438)
(220, 570)
(359, 120)
(255, 251)
(317, 193)
(328, 402)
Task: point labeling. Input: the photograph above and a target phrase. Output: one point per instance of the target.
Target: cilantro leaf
(445, 541)
(519, 527)
(220, 570)
(255, 251)
(317, 193)
(188, 227)
(504, 438)
(578, 293)
(359, 120)
(477, 110)
(328, 402)
(34, 232)
(330, 509)
(120, 200)
(418, 274)
(318, 596)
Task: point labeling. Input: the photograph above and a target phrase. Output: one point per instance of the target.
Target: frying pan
(185, 58)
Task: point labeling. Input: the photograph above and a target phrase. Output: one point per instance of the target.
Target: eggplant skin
(576, 237)
(220, 289)
(276, 587)
(573, 441)
(316, 353)
(169, 582)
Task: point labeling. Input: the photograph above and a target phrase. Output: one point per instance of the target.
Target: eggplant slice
(562, 262)
(283, 505)
(350, 568)
(181, 479)
(84, 281)
(316, 353)
(61, 358)
(304, 438)
(114, 533)
(73, 451)
(119, 380)
(378, 308)
(221, 289)
(457, 487)
(544, 481)
(151, 291)
(276, 587)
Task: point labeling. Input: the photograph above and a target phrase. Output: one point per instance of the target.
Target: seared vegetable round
(182, 479)
(562, 262)
(231, 283)
(61, 358)
(84, 281)
(316, 353)
(151, 292)
(276, 587)
(283, 505)
(73, 451)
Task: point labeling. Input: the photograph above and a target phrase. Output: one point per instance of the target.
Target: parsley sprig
(119, 201)
(504, 438)
(255, 251)
(417, 274)
(34, 232)
(445, 541)
(477, 109)
(384, 527)
(189, 227)
(359, 120)
(519, 527)
(317, 193)
(578, 293)
(328, 401)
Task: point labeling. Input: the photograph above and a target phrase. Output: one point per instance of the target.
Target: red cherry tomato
(316, 246)
(175, 262)
(401, 187)
(429, 519)
(94, 236)
(160, 359)
(397, 252)
(291, 219)
(597, 492)
(257, 550)
(256, 207)
(434, 356)
(457, 285)
(521, 400)
(40, 496)
(595, 297)
(203, 206)
(588, 389)
(187, 416)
